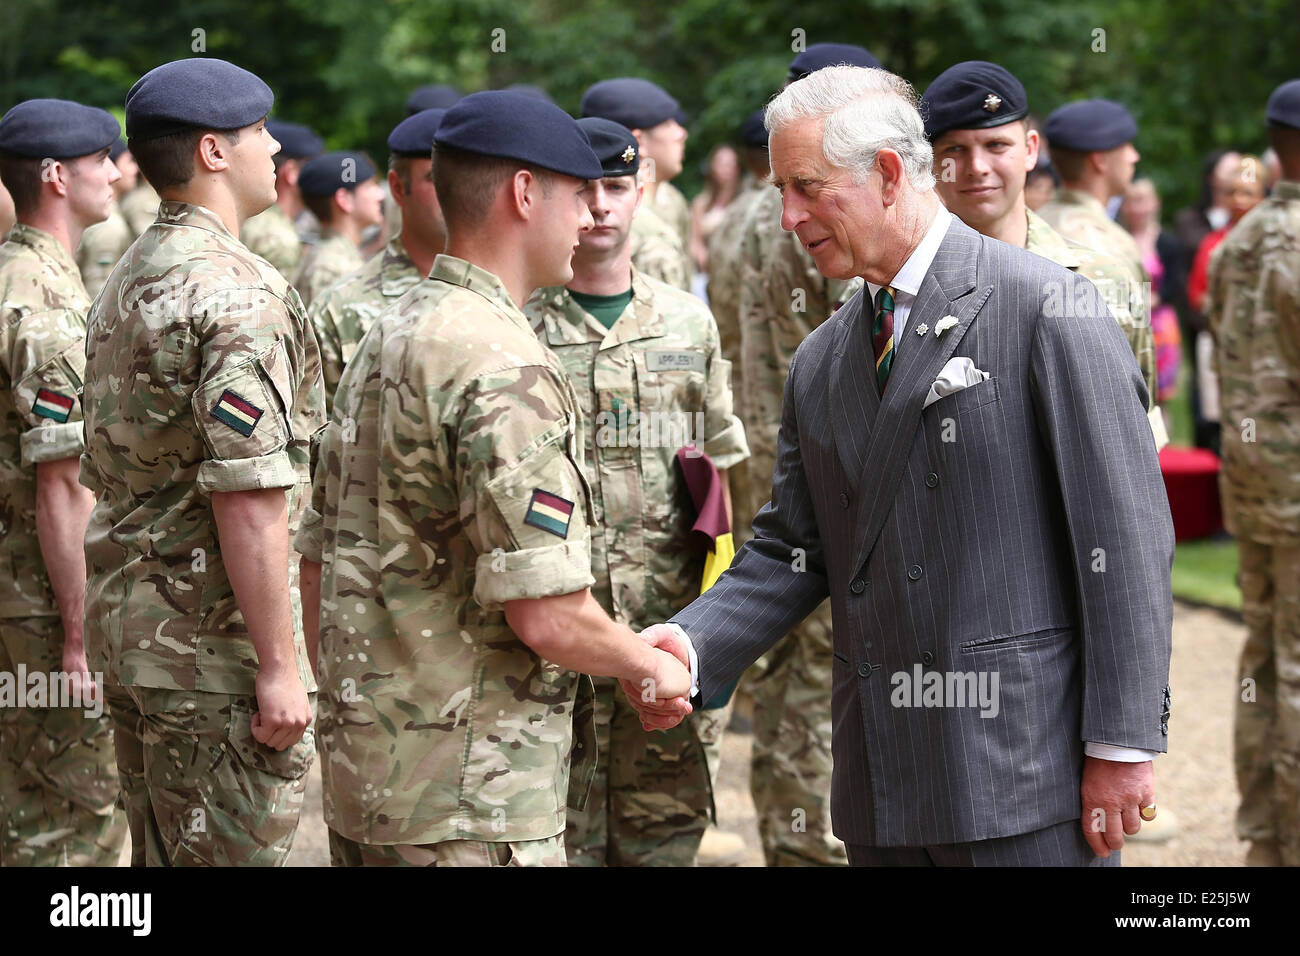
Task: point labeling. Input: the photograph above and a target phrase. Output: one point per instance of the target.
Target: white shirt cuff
(1112, 752)
(695, 661)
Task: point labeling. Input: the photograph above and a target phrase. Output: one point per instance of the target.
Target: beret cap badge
(629, 154)
(992, 102)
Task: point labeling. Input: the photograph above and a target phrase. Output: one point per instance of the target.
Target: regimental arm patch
(53, 405)
(549, 513)
(240, 415)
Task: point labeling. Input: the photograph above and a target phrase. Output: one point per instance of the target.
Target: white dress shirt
(907, 285)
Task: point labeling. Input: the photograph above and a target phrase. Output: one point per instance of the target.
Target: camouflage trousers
(790, 776)
(548, 852)
(651, 798)
(1267, 731)
(58, 779)
(200, 790)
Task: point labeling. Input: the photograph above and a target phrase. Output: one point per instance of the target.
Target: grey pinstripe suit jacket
(968, 537)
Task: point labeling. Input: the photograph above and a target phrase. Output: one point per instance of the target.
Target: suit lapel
(949, 288)
(853, 399)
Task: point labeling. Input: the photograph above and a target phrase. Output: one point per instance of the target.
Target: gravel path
(1194, 780)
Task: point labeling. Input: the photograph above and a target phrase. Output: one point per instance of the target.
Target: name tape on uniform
(674, 360)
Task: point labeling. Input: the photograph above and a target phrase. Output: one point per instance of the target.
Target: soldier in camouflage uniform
(724, 293)
(974, 115)
(103, 243)
(340, 190)
(1092, 149)
(202, 396)
(1253, 309)
(344, 313)
(644, 351)
(452, 716)
(662, 228)
(58, 777)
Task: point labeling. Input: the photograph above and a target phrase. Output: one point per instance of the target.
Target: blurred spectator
(1040, 185)
(6, 212)
(1242, 189)
(1192, 225)
(1140, 215)
(1273, 166)
(720, 188)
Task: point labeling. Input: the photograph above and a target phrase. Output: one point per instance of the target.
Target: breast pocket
(671, 386)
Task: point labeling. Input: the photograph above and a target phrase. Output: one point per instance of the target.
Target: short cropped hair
(168, 161)
(21, 175)
(466, 183)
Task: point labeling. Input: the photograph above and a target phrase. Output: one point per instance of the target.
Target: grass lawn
(1205, 571)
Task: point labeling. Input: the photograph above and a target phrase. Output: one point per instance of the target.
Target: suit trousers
(1061, 844)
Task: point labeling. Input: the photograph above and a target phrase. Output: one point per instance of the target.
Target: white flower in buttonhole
(944, 324)
(922, 329)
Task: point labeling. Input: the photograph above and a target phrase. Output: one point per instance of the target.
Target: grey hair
(862, 110)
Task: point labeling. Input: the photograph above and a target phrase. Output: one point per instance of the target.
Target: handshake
(662, 697)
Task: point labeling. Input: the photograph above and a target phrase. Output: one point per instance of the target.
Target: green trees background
(1196, 73)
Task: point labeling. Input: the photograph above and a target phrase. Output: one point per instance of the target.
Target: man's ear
(640, 194)
(1097, 162)
(289, 170)
(395, 187)
(524, 193)
(345, 200)
(56, 173)
(890, 166)
(1031, 149)
(212, 153)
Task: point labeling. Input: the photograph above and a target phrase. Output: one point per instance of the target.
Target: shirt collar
(910, 277)
(44, 244)
(469, 276)
(397, 271)
(173, 212)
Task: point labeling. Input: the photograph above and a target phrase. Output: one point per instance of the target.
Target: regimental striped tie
(882, 335)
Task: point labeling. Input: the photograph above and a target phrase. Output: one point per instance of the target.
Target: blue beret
(117, 149)
(1086, 126)
(636, 103)
(431, 97)
(1284, 105)
(198, 93)
(613, 144)
(326, 173)
(830, 54)
(972, 95)
(296, 141)
(413, 136)
(530, 89)
(753, 132)
(517, 126)
(59, 129)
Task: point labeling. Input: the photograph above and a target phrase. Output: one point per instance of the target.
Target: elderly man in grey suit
(965, 467)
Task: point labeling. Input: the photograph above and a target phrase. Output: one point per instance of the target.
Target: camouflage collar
(1045, 241)
(456, 271)
(1077, 197)
(45, 246)
(568, 323)
(173, 212)
(397, 273)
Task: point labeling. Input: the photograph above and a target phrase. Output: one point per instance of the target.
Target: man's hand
(78, 671)
(662, 702)
(1113, 792)
(283, 710)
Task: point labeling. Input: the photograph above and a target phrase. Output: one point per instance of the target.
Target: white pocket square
(959, 373)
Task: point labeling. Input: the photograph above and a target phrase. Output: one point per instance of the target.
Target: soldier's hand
(283, 710)
(78, 671)
(662, 698)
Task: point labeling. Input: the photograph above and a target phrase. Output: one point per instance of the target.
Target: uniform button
(931, 480)
(864, 670)
(857, 586)
(914, 572)
(927, 658)
(844, 499)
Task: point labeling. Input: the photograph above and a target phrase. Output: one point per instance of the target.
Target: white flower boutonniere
(922, 329)
(944, 324)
